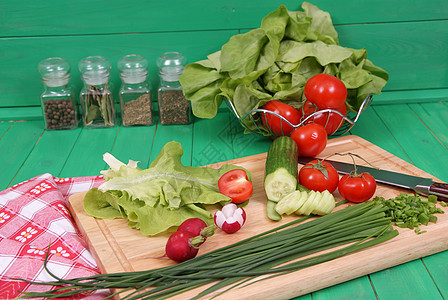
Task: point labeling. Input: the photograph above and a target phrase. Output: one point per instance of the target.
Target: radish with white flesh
(181, 246)
(231, 218)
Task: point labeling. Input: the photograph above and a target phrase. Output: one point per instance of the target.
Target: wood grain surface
(118, 248)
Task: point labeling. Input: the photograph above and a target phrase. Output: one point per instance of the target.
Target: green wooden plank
(411, 96)
(408, 51)
(370, 127)
(437, 265)
(20, 57)
(212, 140)
(247, 144)
(420, 145)
(49, 154)
(32, 18)
(182, 134)
(21, 113)
(4, 126)
(406, 281)
(359, 288)
(15, 146)
(435, 117)
(134, 143)
(86, 158)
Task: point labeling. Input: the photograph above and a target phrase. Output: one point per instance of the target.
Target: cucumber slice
(278, 184)
(329, 203)
(313, 198)
(289, 204)
(325, 205)
(302, 200)
(307, 206)
(271, 212)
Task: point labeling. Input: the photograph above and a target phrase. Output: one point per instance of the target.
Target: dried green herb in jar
(98, 106)
(96, 95)
(173, 108)
(138, 111)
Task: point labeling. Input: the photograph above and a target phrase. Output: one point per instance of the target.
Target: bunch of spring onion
(271, 253)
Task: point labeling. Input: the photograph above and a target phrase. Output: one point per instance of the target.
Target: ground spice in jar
(59, 113)
(174, 108)
(138, 111)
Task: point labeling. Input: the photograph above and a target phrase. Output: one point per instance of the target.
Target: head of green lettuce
(275, 61)
(160, 197)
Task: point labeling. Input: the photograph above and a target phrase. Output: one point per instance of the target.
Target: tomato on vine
(326, 91)
(319, 175)
(357, 187)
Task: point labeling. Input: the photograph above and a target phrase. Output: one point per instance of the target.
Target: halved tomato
(235, 185)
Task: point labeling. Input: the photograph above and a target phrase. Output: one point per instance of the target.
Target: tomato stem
(352, 155)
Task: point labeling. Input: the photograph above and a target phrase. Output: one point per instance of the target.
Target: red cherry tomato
(319, 176)
(330, 120)
(311, 139)
(326, 91)
(276, 124)
(235, 185)
(357, 188)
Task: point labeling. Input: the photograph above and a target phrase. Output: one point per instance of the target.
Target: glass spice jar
(134, 94)
(57, 99)
(96, 97)
(173, 107)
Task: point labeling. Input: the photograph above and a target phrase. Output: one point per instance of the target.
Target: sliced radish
(231, 218)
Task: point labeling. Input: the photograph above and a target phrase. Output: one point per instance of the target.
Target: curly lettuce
(157, 198)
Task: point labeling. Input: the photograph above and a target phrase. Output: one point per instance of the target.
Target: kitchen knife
(423, 186)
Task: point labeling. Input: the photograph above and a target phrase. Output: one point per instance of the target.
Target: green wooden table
(416, 133)
(407, 38)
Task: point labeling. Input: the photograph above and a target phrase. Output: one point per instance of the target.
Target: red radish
(193, 225)
(231, 218)
(179, 246)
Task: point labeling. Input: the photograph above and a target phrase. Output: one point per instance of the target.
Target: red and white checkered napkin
(33, 217)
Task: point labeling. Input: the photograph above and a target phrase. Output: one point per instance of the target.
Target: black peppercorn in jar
(174, 108)
(58, 104)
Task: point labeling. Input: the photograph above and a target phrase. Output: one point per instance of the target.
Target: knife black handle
(440, 190)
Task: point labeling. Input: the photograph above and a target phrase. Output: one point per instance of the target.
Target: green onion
(411, 211)
(275, 252)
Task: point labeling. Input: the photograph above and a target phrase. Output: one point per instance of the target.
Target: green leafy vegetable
(164, 195)
(275, 61)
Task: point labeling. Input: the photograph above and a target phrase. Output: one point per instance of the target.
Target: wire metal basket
(254, 117)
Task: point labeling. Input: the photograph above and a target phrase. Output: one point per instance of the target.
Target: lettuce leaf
(274, 62)
(157, 198)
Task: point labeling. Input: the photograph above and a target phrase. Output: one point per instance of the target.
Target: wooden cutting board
(118, 248)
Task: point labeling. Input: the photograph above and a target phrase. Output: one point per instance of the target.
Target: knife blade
(421, 185)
